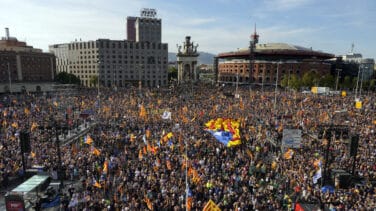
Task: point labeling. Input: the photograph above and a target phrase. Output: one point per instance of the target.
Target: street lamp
(10, 78)
(361, 81)
(338, 70)
(276, 88)
(357, 82)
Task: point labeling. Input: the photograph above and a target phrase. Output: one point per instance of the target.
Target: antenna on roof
(352, 48)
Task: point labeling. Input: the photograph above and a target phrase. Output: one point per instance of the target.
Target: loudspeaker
(25, 142)
(354, 145)
(343, 181)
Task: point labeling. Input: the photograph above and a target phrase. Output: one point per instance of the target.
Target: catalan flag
(15, 125)
(96, 184)
(27, 111)
(149, 204)
(142, 111)
(88, 140)
(226, 131)
(105, 167)
(288, 154)
(95, 151)
(34, 125)
(166, 137)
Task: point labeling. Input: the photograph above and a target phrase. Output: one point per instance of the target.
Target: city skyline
(216, 25)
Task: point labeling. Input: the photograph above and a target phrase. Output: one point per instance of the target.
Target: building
(20, 63)
(268, 60)
(146, 28)
(364, 66)
(117, 63)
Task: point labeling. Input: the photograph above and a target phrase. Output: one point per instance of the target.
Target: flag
(166, 115)
(96, 184)
(27, 111)
(142, 112)
(15, 125)
(140, 154)
(211, 206)
(34, 125)
(32, 154)
(148, 203)
(225, 131)
(105, 167)
(95, 151)
(132, 137)
(317, 176)
(166, 137)
(88, 140)
(288, 154)
(189, 199)
(147, 133)
(55, 103)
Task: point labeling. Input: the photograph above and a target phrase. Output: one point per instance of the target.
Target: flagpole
(186, 175)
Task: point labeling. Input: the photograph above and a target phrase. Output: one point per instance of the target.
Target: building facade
(21, 63)
(141, 59)
(269, 59)
(365, 65)
(115, 62)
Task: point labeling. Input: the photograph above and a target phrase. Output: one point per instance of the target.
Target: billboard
(292, 138)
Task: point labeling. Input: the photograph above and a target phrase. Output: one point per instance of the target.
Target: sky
(217, 26)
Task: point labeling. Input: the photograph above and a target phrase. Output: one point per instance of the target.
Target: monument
(187, 61)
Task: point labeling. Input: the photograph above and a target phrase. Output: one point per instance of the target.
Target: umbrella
(327, 188)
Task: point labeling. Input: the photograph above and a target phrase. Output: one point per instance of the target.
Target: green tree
(172, 73)
(327, 81)
(309, 78)
(285, 80)
(94, 80)
(294, 82)
(372, 84)
(347, 82)
(67, 78)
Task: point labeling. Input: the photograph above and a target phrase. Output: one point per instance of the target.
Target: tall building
(117, 63)
(131, 28)
(22, 63)
(145, 28)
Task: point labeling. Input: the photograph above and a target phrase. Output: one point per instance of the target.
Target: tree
(328, 81)
(94, 80)
(285, 80)
(309, 78)
(372, 84)
(172, 73)
(67, 78)
(294, 82)
(347, 82)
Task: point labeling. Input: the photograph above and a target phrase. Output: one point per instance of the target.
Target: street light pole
(338, 70)
(361, 82)
(60, 173)
(10, 78)
(276, 89)
(357, 82)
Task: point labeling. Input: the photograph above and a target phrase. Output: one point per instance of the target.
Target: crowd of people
(137, 158)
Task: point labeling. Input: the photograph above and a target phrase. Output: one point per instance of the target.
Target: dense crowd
(138, 160)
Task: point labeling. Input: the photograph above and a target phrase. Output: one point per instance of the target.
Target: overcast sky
(216, 25)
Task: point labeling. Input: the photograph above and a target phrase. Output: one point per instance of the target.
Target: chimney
(7, 33)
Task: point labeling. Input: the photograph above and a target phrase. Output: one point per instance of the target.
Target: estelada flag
(95, 151)
(211, 206)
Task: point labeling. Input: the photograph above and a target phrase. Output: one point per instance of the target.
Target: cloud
(282, 5)
(198, 21)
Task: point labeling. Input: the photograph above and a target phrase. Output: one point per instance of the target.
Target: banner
(292, 138)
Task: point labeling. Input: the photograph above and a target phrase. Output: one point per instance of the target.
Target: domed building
(266, 60)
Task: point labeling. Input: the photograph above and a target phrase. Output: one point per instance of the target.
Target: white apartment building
(115, 62)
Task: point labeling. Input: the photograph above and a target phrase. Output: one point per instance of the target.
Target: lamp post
(357, 82)
(276, 89)
(361, 81)
(338, 70)
(10, 78)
